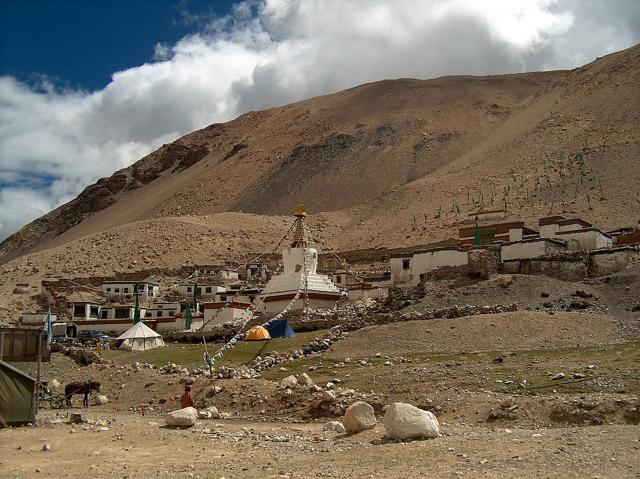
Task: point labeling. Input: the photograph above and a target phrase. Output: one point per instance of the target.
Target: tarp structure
(258, 334)
(140, 337)
(280, 329)
(17, 404)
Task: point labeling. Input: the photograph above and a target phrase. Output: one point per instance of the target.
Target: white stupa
(300, 262)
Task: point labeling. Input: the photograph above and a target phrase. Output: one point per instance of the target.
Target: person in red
(186, 400)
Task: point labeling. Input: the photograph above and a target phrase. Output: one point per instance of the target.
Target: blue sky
(81, 43)
(90, 87)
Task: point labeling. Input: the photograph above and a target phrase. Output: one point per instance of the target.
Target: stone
(53, 385)
(304, 380)
(46, 447)
(288, 382)
(204, 414)
(404, 421)
(185, 417)
(77, 418)
(558, 376)
(100, 399)
(358, 417)
(329, 396)
(334, 426)
(214, 412)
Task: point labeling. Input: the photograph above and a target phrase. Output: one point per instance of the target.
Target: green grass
(477, 370)
(190, 355)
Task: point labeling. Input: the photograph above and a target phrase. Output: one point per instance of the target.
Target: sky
(89, 87)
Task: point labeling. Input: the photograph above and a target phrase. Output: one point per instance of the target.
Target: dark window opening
(405, 263)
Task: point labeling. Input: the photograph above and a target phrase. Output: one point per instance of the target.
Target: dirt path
(134, 447)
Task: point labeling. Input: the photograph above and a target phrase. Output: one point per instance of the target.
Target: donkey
(79, 387)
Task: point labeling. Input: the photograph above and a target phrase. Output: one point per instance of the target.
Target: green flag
(476, 239)
(189, 317)
(136, 314)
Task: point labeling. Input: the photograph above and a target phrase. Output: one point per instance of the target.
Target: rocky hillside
(392, 163)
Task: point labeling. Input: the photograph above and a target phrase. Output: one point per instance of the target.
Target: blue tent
(280, 329)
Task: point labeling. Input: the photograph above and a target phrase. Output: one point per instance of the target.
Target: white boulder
(304, 380)
(215, 414)
(404, 421)
(288, 382)
(185, 417)
(53, 385)
(358, 417)
(100, 399)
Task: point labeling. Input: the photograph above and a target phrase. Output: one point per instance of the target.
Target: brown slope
(331, 152)
(383, 159)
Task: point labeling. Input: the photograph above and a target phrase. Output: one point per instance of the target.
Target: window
(405, 263)
(208, 289)
(172, 313)
(125, 290)
(159, 314)
(189, 290)
(93, 312)
(108, 290)
(338, 279)
(78, 310)
(117, 290)
(105, 314)
(147, 314)
(122, 313)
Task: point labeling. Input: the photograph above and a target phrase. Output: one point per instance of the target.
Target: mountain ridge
(367, 153)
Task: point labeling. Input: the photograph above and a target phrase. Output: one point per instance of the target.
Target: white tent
(140, 337)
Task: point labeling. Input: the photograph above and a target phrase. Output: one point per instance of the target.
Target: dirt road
(137, 447)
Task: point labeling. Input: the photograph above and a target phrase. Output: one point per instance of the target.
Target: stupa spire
(299, 234)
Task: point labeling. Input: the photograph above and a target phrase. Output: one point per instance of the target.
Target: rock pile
(83, 355)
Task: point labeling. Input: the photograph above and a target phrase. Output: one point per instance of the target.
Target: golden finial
(299, 211)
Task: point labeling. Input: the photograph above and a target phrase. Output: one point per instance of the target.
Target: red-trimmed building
(496, 233)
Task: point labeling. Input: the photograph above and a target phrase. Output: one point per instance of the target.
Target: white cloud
(270, 53)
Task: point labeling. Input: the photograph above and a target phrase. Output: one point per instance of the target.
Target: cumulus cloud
(54, 142)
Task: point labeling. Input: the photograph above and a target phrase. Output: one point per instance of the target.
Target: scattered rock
(304, 380)
(558, 376)
(329, 396)
(334, 426)
(215, 414)
(100, 399)
(288, 382)
(404, 421)
(46, 447)
(358, 417)
(77, 418)
(185, 417)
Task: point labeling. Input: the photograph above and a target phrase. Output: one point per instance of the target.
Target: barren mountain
(394, 163)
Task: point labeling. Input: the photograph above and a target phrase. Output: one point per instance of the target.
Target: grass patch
(190, 355)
